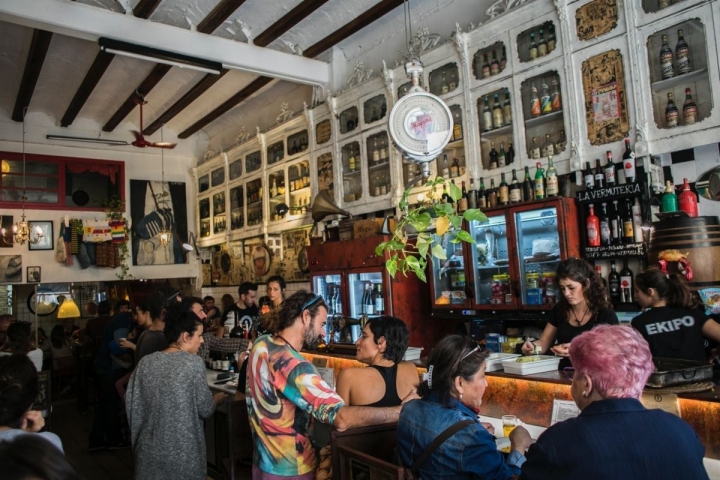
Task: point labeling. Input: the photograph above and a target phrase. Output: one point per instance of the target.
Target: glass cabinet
(254, 196)
(219, 217)
(323, 132)
(536, 42)
(491, 261)
(217, 177)
(276, 182)
(496, 131)
(204, 211)
(490, 61)
(352, 173)
(348, 120)
(204, 184)
(330, 287)
(445, 79)
(378, 163)
(253, 162)
(275, 153)
(235, 169)
(299, 186)
(538, 244)
(237, 210)
(544, 118)
(374, 109)
(297, 142)
(325, 172)
(447, 280)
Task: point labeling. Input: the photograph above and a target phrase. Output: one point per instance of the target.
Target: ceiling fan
(139, 137)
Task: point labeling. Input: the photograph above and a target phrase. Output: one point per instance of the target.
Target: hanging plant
(115, 210)
(435, 222)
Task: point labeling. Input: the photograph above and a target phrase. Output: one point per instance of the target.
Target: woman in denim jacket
(453, 393)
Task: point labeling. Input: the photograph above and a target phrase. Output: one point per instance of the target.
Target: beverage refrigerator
(344, 272)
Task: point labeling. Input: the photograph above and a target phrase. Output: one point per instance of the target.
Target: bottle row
(500, 115)
(494, 67)
(373, 302)
(548, 148)
(608, 175)
(255, 218)
(678, 63)
(621, 227)
(620, 285)
(542, 47)
(456, 169)
(547, 102)
(689, 111)
(499, 159)
(687, 200)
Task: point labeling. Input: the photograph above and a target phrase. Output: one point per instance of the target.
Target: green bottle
(669, 199)
(539, 182)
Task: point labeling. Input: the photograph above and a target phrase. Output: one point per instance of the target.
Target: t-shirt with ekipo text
(673, 332)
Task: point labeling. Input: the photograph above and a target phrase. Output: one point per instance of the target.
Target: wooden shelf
(673, 82)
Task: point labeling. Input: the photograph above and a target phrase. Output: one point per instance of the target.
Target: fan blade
(138, 136)
(163, 145)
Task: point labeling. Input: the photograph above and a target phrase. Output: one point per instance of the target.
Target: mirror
(708, 184)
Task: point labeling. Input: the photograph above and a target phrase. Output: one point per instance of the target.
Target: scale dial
(420, 125)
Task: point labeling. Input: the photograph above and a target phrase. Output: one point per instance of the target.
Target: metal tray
(674, 371)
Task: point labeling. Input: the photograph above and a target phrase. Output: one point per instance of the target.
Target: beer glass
(509, 423)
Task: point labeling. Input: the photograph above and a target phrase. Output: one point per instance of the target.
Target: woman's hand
(561, 349)
(32, 421)
(520, 439)
(528, 348)
(125, 343)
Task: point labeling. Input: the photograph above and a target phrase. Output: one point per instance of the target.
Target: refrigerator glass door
(362, 290)
(538, 245)
(491, 263)
(448, 275)
(330, 287)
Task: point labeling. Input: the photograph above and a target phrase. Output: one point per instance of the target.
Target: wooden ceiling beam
(33, 66)
(143, 9)
(277, 29)
(219, 14)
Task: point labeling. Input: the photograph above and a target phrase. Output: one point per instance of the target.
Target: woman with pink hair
(614, 437)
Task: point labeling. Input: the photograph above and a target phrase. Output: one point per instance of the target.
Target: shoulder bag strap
(447, 433)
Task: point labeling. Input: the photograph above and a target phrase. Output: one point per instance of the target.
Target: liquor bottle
(609, 171)
(687, 201)
(626, 283)
(375, 153)
(671, 113)
(669, 199)
(472, 195)
(682, 55)
(497, 113)
(534, 152)
(548, 148)
(510, 155)
(592, 223)
(463, 202)
(555, 97)
(494, 64)
(482, 195)
(605, 235)
(493, 156)
(545, 104)
(689, 109)
(503, 191)
(614, 283)
(598, 270)
(616, 224)
(457, 126)
(542, 45)
(628, 226)
(589, 177)
(487, 118)
(445, 196)
(445, 172)
(455, 168)
(369, 303)
(637, 220)
(378, 300)
(528, 187)
(351, 160)
(452, 84)
(628, 161)
(599, 175)
(539, 182)
(533, 50)
(492, 194)
(273, 188)
(507, 109)
(444, 88)
(410, 172)
(515, 189)
(534, 102)
(502, 155)
(667, 70)
(551, 179)
(485, 66)
(551, 38)
(560, 144)
(503, 59)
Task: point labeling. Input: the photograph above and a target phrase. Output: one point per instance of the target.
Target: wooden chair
(44, 398)
(366, 453)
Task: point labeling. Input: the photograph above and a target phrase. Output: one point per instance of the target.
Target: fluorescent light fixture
(275, 76)
(159, 56)
(104, 141)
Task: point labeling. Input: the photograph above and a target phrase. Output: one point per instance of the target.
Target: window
(59, 182)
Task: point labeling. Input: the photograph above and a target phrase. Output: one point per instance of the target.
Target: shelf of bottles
(253, 190)
(204, 210)
(490, 61)
(275, 152)
(237, 210)
(299, 186)
(348, 120)
(352, 174)
(323, 132)
(276, 183)
(217, 177)
(496, 132)
(204, 184)
(405, 88)
(366, 294)
(448, 276)
(325, 172)
(544, 118)
(444, 79)
(235, 169)
(679, 79)
(491, 263)
(537, 42)
(374, 109)
(378, 163)
(538, 242)
(653, 6)
(297, 143)
(219, 217)
(253, 161)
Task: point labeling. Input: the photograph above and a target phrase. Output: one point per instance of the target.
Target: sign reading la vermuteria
(615, 251)
(609, 193)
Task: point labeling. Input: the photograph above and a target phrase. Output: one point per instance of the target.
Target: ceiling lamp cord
(164, 234)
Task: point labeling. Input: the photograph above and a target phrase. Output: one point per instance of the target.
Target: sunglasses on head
(314, 299)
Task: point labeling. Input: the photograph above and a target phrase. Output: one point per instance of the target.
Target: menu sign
(614, 251)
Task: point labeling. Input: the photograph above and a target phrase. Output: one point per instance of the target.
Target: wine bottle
(485, 66)
(589, 177)
(472, 195)
(542, 44)
(463, 202)
(515, 189)
(626, 283)
(497, 112)
(533, 49)
(598, 270)
(628, 226)
(555, 97)
(671, 112)
(551, 38)
(637, 220)
(528, 188)
(455, 168)
(614, 283)
(482, 195)
(457, 126)
(378, 300)
(551, 180)
(545, 103)
(534, 102)
(502, 155)
(616, 224)
(687, 201)
(503, 191)
(669, 199)
(351, 161)
(445, 172)
(548, 148)
(507, 109)
(609, 170)
(444, 87)
(487, 118)
(510, 155)
(605, 235)
(369, 303)
(534, 152)
(689, 109)
(492, 194)
(599, 175)
(493, 157)
(503, 59)
(539, 182)
(667, 70)
(682, 55)
(592, 224)
(628, 160)
(494, 65)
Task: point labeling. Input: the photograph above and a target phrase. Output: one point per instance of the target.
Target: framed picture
(33, 274)
(47, 240)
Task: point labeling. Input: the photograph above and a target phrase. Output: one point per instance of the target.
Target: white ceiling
(69, 59)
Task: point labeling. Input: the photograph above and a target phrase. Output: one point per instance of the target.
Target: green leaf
(465, 236)
(391, 267)
(425, 237)
(380, 248)
(393, 245)
(439, 252)
(475, 214)
(455, 220)
(455, 192)
(422, 248)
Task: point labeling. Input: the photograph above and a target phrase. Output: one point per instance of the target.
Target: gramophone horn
(323, 206)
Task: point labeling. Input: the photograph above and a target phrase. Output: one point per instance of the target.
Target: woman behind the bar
(671, 322)
(272, 302)
(582, 304)
(453, 393)
(166, 402)
(614, 436)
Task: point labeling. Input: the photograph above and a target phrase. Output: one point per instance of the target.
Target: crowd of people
(150, 363)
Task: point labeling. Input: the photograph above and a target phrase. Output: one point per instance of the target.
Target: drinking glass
(509, 423)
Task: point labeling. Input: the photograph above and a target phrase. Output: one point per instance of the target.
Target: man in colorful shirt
(285, 394)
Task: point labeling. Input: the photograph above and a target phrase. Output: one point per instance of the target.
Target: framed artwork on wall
(10, 268)
(45, 227)
(33, 275)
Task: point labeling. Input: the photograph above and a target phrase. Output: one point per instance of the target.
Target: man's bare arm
(354, 417)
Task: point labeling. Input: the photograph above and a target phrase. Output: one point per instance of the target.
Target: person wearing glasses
(286, 395)
(583, 304)
(614, 436)
(452, 392)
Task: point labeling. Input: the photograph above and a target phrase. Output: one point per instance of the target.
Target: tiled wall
(218, 292)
